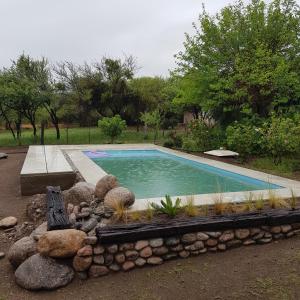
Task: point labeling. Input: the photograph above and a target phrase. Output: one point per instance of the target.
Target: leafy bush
(112, 127)
(202, 137)
(174, 140)
(189, 144)
(282, 138)
(167, 207)
(246, 139)
(169, 143)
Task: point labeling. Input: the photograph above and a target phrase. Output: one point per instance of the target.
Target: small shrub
(169, 143)
(232, 207)
(219, 206)
(120, 212)
(246, 139)
(201, 136)
(112, 127)
(205, 210)
(276, 201)
(190, 209)
(149, 212)
(248, 203)
(282, 137)
(167, 207)
(174, 140)
(189, 144)
(293, 200)
(259, 202)
(136, 216)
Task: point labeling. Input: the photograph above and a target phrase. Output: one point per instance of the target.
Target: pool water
(153, 173)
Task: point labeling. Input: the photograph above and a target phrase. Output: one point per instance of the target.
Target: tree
(155, 93)
(116, 74)
(30, 87)
(79, 89)
(112, 127)
(5, 111)
(153, 120)
(242, 61)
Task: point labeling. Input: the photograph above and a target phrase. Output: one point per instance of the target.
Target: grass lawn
(78, 136)
(289, 167)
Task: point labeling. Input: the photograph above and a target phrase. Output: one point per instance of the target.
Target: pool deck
(50, 161)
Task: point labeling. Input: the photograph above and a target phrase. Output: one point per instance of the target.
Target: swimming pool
(154, 173)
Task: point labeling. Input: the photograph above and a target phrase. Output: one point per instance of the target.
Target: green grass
(77, 136)
(287, 168)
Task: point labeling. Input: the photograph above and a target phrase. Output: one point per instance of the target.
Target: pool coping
(91, 173)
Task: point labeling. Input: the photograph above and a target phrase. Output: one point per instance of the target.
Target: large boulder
(8, 222)
(104, 185)
(80, 192)
(39, 272)
(61, 243)
(119, 196)
(21, 250)
(37, 207)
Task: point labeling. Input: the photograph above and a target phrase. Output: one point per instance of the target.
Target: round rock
(104, 185)
(8, 222)
(43, 273)
(119, 196)
(80, 192)
(61, 243)
(21, 250)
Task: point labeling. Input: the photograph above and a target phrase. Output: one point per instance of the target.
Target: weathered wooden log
(139, 231)
(56, 213)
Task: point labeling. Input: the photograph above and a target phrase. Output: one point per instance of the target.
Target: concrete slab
(56, 161)
(35, 162)
(222, 153)
(43, 166)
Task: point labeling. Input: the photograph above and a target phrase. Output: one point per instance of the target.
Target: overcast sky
(85, 30)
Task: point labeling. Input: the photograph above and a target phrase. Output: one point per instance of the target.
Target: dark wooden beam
(173, 227)
(56, 213)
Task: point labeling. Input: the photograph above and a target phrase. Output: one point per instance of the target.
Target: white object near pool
(222, 153)
(152, 171)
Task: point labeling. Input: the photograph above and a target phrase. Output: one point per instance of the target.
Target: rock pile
(94, 206)
(43, 252)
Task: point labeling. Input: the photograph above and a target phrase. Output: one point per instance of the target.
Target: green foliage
(152, 120)
(112, 127)
(189, 144)
(282, 138)
(174, 140)
(190, 209)
(242, 61)
(202, 137)
(167, 207)
(246, 139)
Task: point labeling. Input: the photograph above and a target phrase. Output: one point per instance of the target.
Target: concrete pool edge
(92, 173)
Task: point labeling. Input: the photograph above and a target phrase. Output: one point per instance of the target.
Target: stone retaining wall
(95, 260)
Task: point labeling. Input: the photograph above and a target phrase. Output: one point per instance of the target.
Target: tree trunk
(43, 132)
(57, 131)
(18, 128)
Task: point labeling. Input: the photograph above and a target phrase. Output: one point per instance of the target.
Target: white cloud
(85, 30)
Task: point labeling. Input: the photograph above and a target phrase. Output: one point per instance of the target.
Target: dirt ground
(256, 272)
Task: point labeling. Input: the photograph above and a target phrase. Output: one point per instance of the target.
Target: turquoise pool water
(152, 173)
